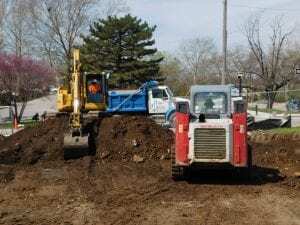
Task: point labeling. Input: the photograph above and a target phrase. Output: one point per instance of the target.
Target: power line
(264, 8)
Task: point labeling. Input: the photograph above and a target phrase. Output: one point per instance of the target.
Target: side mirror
(106, 74)
(182, 107)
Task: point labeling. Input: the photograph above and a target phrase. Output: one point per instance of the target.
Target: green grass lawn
(286, 130)
(26, 123)
(5, 125)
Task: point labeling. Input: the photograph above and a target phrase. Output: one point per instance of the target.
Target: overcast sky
(177, 20)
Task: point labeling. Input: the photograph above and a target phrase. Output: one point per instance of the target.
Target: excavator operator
(94, 91)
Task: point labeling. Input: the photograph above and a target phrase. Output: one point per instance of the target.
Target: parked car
(293, 105)
(53, 89)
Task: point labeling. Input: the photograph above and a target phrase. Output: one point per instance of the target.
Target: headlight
(76, 103)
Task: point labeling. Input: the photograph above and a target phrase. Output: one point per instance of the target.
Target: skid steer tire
(177, 172)
(249, 169)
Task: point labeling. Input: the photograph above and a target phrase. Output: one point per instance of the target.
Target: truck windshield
(159, 93)
(210, 103)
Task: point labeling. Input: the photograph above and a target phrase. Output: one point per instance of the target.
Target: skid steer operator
(94, 91)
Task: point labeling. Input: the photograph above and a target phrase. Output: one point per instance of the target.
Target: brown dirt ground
(38, 187)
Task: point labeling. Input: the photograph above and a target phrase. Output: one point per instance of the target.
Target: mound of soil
(265, 137)
(28, 146)
(134, 138)
(2, 137)
(122, 138)
(280, 152)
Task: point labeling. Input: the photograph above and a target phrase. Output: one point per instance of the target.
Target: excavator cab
(95, 92)
(86, 93)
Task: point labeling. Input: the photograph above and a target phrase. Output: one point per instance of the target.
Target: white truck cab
(160, 100)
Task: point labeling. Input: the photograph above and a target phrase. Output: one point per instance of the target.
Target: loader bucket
(76, 146)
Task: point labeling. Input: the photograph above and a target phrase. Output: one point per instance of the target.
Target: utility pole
(224, 72)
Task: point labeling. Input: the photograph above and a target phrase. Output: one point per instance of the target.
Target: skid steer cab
(211, 131)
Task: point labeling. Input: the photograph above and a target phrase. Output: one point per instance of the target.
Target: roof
(211, 88)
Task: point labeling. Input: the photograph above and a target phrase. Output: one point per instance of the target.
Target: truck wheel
(172, 120)
(177, 172)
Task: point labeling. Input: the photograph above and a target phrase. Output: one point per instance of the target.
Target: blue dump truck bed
(130, 101)
(127, 101)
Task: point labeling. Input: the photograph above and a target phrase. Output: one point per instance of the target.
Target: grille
(210, 143)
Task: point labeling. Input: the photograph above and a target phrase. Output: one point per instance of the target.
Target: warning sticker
(180, 128)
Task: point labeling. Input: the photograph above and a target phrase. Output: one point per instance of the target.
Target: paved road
(260, 116)
(295, 120)
(40, 105)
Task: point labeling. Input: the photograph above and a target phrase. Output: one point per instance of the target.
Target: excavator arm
(76, 142)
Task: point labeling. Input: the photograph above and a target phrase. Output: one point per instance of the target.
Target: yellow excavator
(85, 93)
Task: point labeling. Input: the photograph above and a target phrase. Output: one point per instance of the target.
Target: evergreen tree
(122, 45)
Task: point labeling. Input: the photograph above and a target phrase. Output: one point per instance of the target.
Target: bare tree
(18, 24)
(3, 11)
(59, 24)
(270, 61)
(171, 69)
(242, 61)
(114, 7)
(198, 57)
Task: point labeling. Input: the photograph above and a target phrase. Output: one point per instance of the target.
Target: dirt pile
(266, 137)
(2, 137)
(43, 141)
(122, 138)
(134, 138)
(281, 152)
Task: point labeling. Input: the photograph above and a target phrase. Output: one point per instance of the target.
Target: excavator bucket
(76, 146)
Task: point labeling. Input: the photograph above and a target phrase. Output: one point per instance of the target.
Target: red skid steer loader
(211, 131)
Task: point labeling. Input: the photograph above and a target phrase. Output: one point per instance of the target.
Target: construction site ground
(127, 180)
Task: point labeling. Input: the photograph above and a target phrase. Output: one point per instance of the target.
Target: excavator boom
(76, 143)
